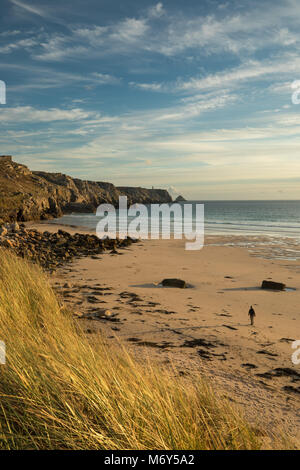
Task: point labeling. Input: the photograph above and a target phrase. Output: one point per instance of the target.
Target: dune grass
(59, 391)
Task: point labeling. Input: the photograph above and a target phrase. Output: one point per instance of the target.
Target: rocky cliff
(145, 196)
(35, 195)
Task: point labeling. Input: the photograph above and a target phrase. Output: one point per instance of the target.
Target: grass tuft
(59, 391)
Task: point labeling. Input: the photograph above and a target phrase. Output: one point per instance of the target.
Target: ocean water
(268, 229)
(273, 218)
(268, 218)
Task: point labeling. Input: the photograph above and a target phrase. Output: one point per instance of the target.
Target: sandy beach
(203, 328)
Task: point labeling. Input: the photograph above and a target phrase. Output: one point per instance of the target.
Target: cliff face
(145, 196)
(27, 195)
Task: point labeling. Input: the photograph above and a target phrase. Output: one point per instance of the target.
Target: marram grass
(59, 391)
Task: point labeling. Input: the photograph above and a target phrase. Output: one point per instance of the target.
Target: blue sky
(194, 95)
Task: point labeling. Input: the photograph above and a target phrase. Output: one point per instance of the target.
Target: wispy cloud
(10, 33)
(200, 94)
(147, 86)
(156, 11)
(57, 48)
(130, 30)
(38, 77)
(250, 70)
(105, 79)
(236, 34)
(33, 9)
(26, 44)
(30, 114)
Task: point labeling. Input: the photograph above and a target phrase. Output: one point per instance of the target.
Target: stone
(7, 244)
(15, 227)
(51, 250)
(64, 234)
(174, 283)
(3, 231)
(271, 285)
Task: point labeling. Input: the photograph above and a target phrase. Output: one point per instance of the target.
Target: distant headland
(38, 195)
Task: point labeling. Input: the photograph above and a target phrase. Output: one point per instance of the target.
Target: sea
(250, 223)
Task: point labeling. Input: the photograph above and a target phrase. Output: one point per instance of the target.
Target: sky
(192, 95)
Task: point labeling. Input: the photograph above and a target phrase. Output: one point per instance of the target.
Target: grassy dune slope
(57, 391)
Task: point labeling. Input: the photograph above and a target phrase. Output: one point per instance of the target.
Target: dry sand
(204, 328)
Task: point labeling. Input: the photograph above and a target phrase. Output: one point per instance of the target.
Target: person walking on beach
(251, 315)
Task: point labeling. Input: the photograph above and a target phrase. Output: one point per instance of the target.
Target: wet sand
(204, 328)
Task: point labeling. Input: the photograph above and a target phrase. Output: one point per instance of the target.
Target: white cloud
(29, 8)
(156, 11)
(129, 30)
(195, 108)
(40, 77)
(10, 33)
(57, 48)
(92, 41)
(237, 33)
(93, 34)
(20, 44)
(251, 70)
(105, 78)
(147, 86)
(30, 114)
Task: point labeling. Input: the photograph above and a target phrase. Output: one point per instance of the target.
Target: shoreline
(201, 329)
(263, 246)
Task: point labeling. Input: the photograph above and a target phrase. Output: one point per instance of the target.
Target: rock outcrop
(52, 250)
(36, 195)
(180, 199)
(145, 196)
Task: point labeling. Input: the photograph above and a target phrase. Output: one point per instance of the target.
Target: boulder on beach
(174, 283)
(273, 285)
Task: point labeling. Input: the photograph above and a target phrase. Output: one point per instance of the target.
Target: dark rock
(180, 199)
(174, 283)
(271, 285)
(51, 250)
(64, 234)
(3, 231)
(15, 227)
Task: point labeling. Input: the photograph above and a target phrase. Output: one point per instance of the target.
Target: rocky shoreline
(52, 249)
(35, 195)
